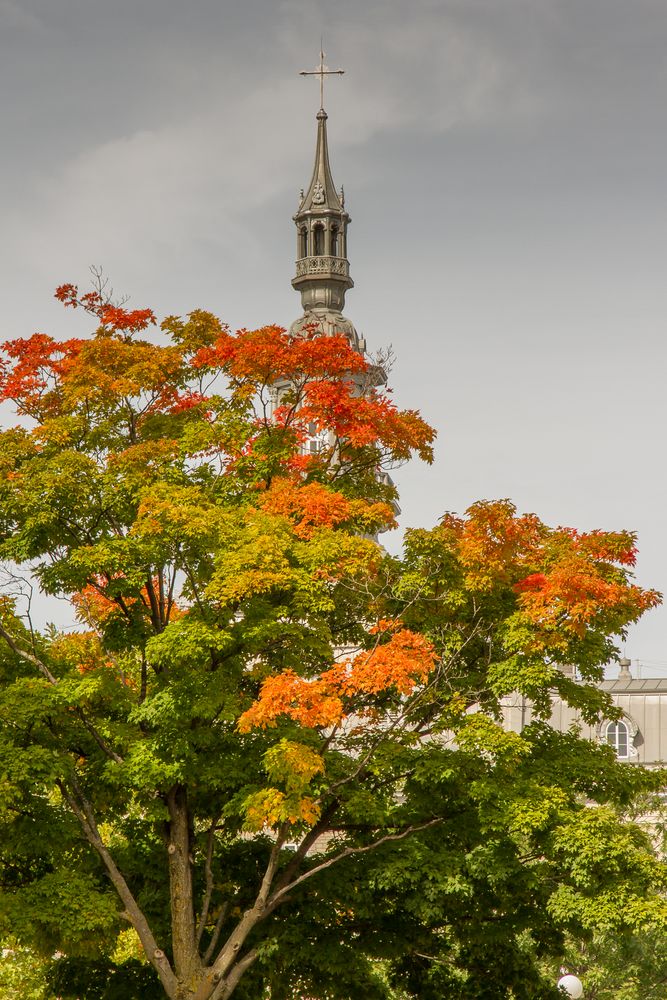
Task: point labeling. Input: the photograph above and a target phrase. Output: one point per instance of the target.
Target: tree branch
(47, 675)
(320, 827)
(216, 978)
(208, 873)
(98, 739)
(30, 657)
(227, 987)
(155, 609)
(156, 956)
(347, 853)
(222, 916)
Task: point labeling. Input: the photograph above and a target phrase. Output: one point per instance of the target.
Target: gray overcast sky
(504, 164)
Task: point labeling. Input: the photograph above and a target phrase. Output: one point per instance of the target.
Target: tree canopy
(269, 759)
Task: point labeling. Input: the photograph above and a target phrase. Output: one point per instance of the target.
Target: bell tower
(322, 268)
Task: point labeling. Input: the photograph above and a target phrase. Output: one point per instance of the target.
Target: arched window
(318, 240)
(334, 241)
(303, 242)
(617, 735)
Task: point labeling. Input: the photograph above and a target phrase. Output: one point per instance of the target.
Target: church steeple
(322, 268)
(322, 192)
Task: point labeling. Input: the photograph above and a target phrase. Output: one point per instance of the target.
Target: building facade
(638, 737)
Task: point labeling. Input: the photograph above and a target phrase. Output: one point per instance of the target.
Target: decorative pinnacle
(321, 71)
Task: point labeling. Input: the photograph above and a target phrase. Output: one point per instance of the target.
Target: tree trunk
(187, 963)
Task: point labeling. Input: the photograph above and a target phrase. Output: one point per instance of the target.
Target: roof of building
(642, 685)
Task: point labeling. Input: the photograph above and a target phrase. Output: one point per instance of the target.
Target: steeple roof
(321, 195)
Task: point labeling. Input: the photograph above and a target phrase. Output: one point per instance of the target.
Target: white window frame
(612, 734)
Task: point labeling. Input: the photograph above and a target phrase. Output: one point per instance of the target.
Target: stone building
(639, 737)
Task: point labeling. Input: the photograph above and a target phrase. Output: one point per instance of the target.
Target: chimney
(624, 673)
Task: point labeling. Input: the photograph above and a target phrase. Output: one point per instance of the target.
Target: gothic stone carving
(322, 265)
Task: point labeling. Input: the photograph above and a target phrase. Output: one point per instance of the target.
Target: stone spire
(322, 268)
(322, 195)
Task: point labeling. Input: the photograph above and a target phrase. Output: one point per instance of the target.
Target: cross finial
(322, 71)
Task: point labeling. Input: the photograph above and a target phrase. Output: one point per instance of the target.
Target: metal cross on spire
(322, 71)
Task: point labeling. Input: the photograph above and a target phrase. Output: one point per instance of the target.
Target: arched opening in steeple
(318, 240)
(334, 241)
(302, 248)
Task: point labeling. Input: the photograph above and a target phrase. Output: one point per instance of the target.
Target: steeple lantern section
(322, 268)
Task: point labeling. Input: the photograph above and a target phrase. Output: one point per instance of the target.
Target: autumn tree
(269, 759)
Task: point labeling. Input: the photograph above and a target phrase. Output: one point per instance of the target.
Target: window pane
(618, 737)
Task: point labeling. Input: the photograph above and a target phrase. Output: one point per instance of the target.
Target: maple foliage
(165, 486)
(559, 586)
(397, 665)
(294, 765)
(139, 381)
(312, 506)
(83, 651)
(263, 731)
(111, 316)
(565, 580)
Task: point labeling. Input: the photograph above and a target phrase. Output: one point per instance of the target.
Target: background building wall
(644, 706)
